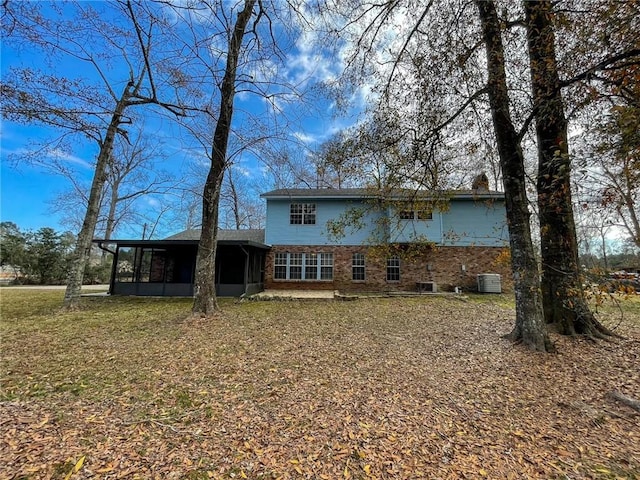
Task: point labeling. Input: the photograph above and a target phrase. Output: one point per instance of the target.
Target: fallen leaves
(380, 388)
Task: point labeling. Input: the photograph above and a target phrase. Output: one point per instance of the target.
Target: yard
(374, 388)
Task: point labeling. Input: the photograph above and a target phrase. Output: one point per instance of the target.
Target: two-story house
(335, 239)
(361, 240)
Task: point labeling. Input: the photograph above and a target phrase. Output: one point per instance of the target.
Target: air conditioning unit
(429, 287)
(489, 283)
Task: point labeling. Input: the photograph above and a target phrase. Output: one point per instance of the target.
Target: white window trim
(395, 267)
(307, 210)
(324, 260)
(362, 267)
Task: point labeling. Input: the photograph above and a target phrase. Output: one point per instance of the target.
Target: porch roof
(249, 238)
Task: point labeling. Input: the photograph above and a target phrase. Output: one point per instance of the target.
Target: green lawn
(420, 387)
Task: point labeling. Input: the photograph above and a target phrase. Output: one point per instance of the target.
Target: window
(311, 266)
(303, 266)
(280, 266)
(357, 266)
(302, 214)
(416, 215)
(295, 266)
(326, 266)
(393, 269)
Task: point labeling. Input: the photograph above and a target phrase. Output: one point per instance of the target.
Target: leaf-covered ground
(374, 388)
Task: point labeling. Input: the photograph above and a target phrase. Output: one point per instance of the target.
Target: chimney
(480, 182)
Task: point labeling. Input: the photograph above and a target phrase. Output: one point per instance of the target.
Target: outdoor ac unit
(489, 283)
(430, 287)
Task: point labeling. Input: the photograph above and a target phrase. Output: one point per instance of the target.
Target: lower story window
(303, 266)
(393, 269)
(295, 266)
(357, 266)
(280, 266)
(310, 266)
(326, 266)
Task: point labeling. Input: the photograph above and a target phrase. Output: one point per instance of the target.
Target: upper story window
(416, 215)
(302, 214)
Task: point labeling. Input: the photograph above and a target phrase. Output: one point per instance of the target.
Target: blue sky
(27, 190)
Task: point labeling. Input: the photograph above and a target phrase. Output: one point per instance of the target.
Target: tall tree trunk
(205, 301)
(236, 203)
(111, 215)
(633, 225)
(605, 259)
(82, 250)
(530, 328)
(563, 300)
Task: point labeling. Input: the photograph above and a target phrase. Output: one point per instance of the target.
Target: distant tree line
(42, 256)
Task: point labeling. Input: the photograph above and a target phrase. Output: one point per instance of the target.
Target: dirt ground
(374, 388)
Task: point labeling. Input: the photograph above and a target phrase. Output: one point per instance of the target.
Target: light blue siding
(279, 231)
(467, 222)
(403, 231)
(475, 222)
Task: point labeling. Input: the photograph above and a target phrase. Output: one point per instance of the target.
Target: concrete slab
(325, 294)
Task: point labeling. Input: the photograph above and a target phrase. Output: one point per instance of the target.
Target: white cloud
(152, 202)
(306, 138)
(66, 157)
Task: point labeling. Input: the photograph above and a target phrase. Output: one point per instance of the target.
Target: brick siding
(442, 265)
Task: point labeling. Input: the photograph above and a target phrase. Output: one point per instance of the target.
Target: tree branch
(604, 65)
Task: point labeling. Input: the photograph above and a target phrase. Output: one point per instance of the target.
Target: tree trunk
(111, 215)
(236, 203)
(633, 226)
(205, 302)
(605, 259)
(530, 328)
(563, 299)
(82, 249)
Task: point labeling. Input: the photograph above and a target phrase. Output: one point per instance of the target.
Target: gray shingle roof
(223, 235)
(372, 192)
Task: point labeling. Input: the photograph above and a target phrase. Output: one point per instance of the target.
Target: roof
(396, 194)
(256, 236)
(253, 238)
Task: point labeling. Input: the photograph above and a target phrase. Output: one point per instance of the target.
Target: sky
(28, 191)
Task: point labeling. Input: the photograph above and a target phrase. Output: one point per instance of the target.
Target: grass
(375, 388)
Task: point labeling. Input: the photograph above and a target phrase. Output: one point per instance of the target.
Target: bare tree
(134, 173)
(231, 49)
(98, 111)
(240, 201)
(204, 289)
(609, 154)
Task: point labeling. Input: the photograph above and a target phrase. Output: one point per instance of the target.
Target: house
(362, 240)
(334, 239)
(167, 267)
